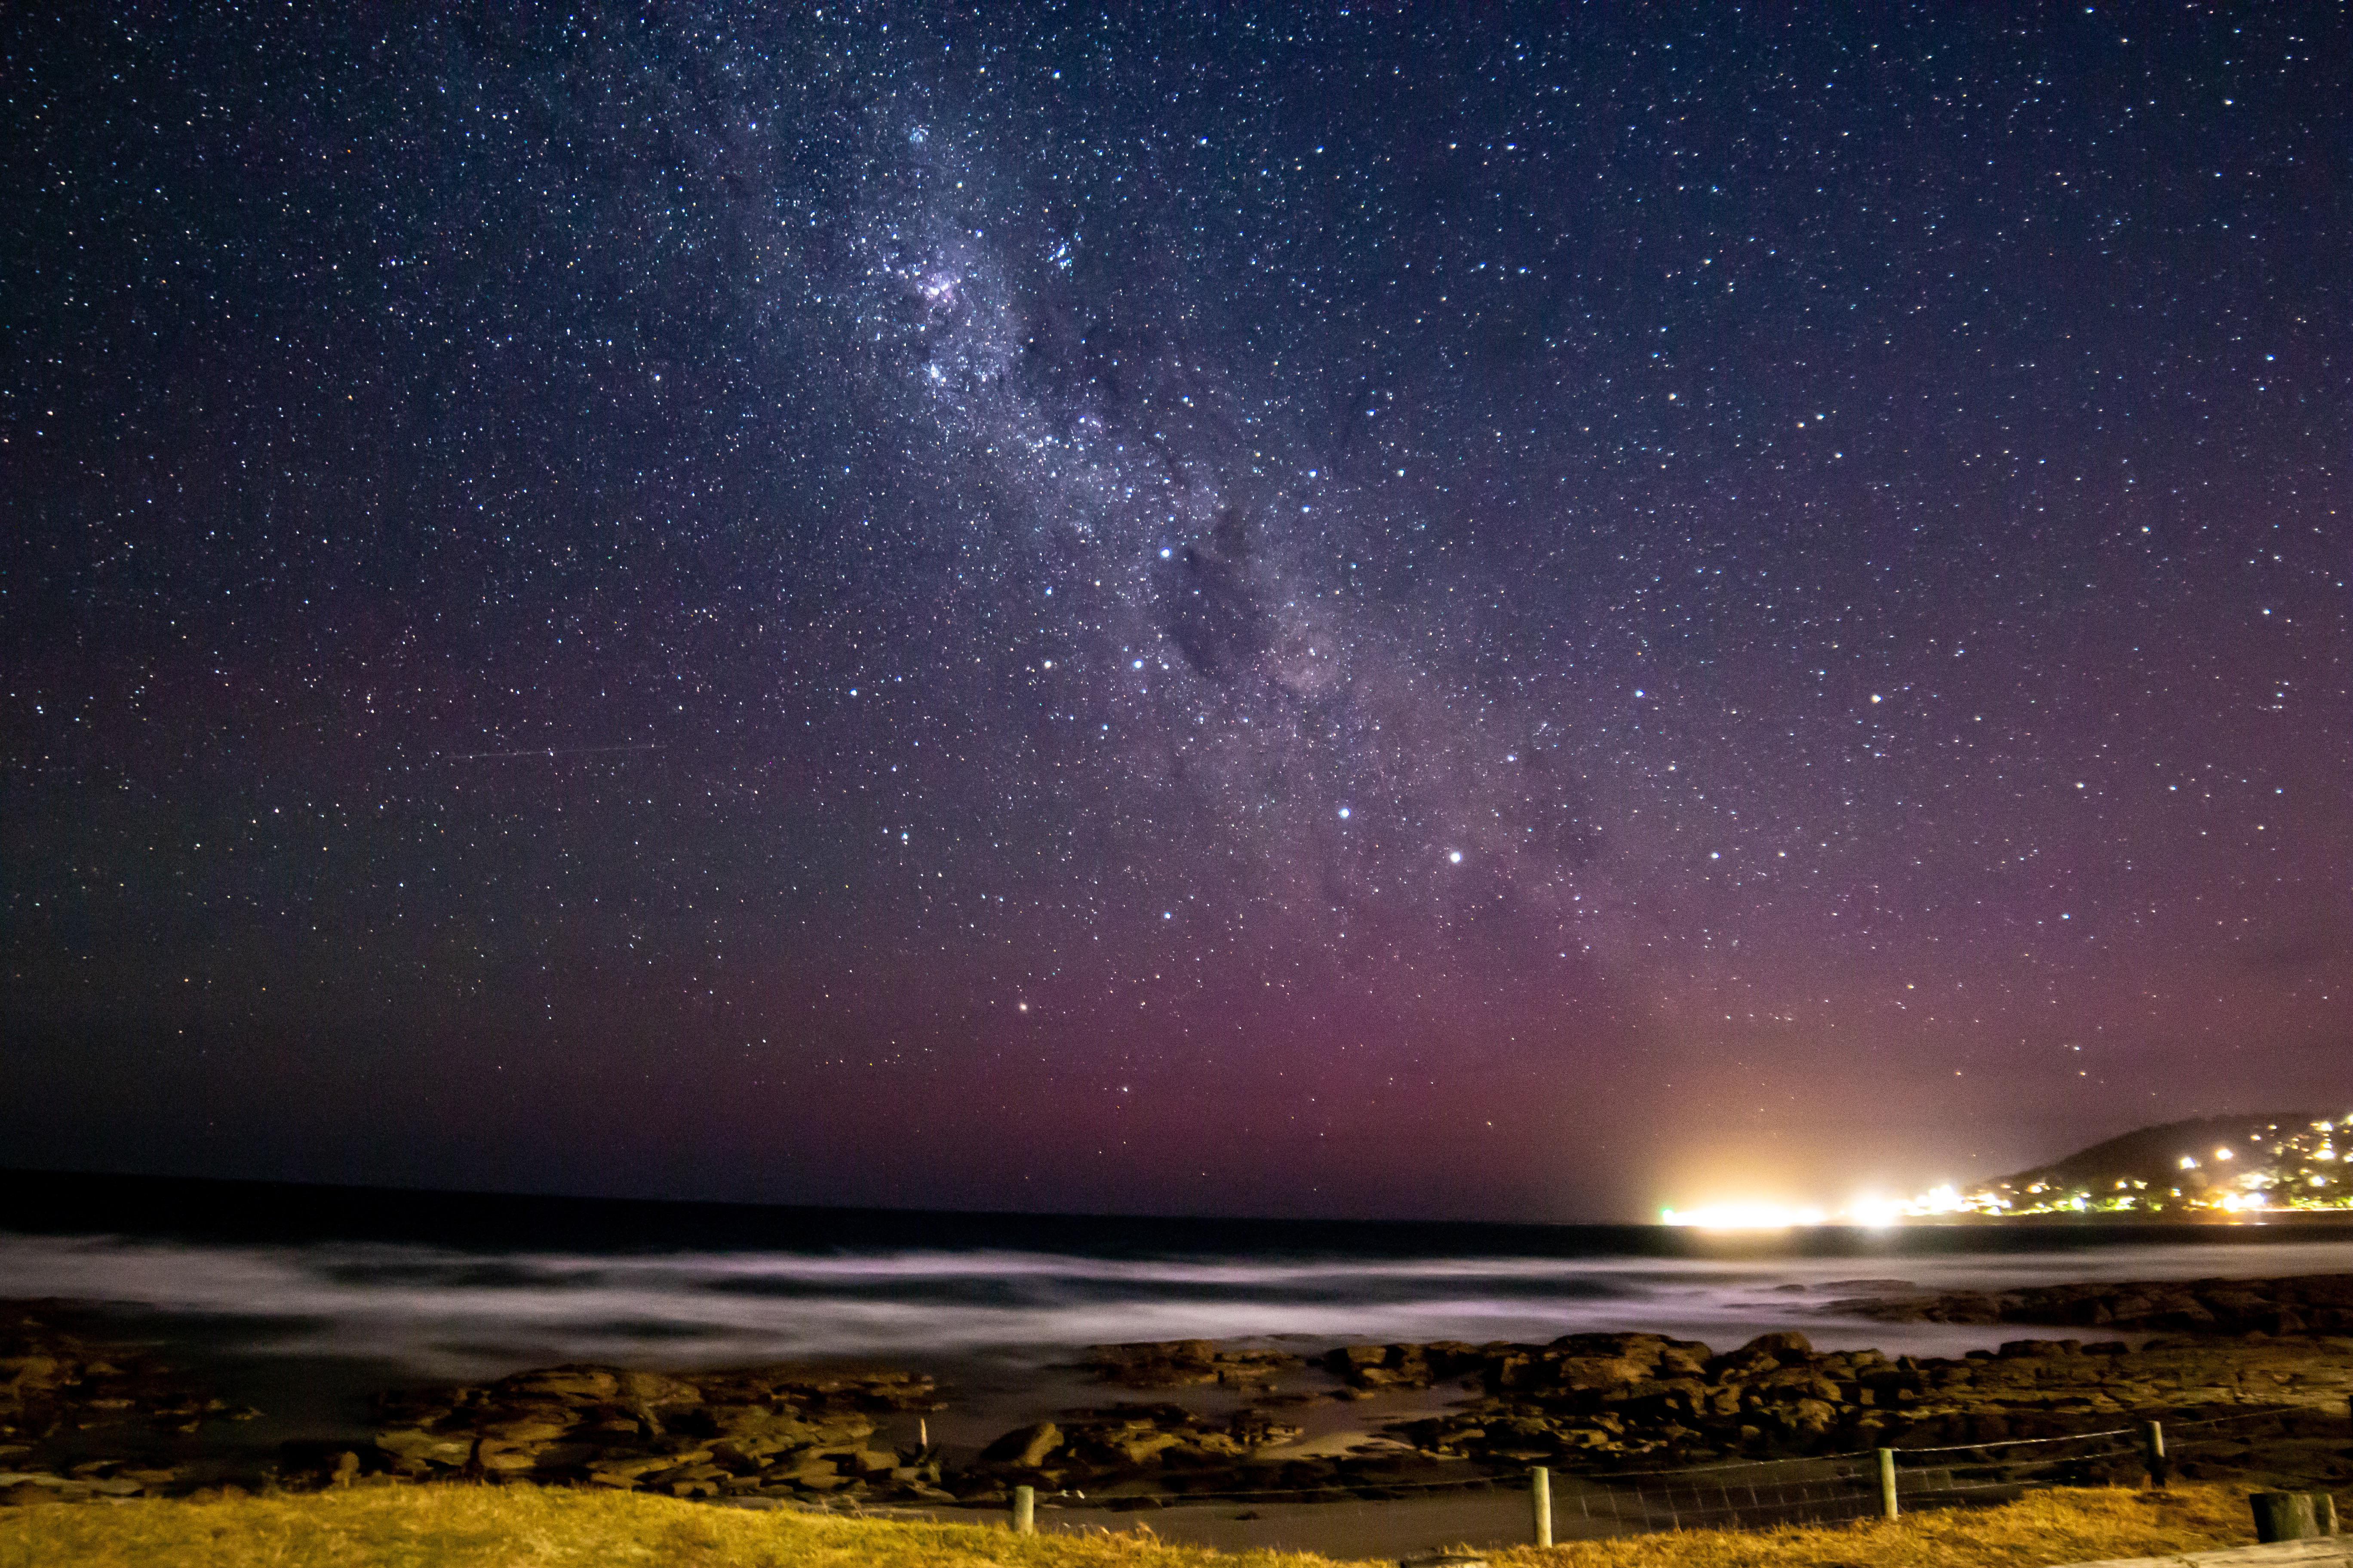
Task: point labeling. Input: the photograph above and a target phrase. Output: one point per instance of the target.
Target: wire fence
(1832, 1488)
(1746, 1494)
(2264, 1438)
(1820, 1489)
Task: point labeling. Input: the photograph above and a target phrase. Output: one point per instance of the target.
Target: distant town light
(1745, 1217)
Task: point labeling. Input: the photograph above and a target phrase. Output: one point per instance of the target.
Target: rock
(449, 1450)
(569, 1384)
(525, 1431)
(2302, 1304)
(16, 1490)
(1399, 1366)
(1786, 1343)
(625, 1472)
(818, 1477)
(1182, 1363)
(1156, 1445)
(1137, 1448)
(1253, 1427)
(503, 1459)
(1027, 1447)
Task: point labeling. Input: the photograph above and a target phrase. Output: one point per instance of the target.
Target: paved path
(2324, 1552)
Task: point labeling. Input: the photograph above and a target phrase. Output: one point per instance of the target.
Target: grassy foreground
(526, 1527)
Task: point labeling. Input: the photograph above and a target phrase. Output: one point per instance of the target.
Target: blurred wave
(446, 1312)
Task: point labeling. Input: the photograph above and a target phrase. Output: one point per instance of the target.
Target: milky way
(1296, 610)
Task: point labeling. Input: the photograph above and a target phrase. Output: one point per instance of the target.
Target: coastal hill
(2260, 1162)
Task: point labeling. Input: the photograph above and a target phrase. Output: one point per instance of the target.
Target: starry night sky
(1432, 611)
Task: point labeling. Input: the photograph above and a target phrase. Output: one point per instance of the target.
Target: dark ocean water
(437, 1285)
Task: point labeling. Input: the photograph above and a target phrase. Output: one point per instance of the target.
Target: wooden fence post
(2153, 1442)
(1887, 1483)
(1540, 1500)
(1024, 1510)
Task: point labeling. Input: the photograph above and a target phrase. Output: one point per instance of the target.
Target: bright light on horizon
(1871, 1212)
(1744, 1216)
(1875, 1211)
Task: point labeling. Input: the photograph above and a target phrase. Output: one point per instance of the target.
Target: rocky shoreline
(81, 1421)
(1606, 1402)
(793, 1431)
(2301, 1304)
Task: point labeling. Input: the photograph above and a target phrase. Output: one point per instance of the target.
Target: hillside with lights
(2217, 1167)
(2281, 1162)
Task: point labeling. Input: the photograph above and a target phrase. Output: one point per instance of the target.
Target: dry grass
(528, 1526)
(2071, 1526)
(523, 1526)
